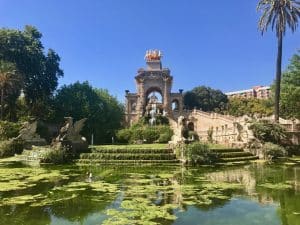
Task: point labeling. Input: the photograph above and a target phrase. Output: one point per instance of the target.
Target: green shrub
(162, 120)
(164, 138)
(145, 133)
(11, 147)
(266, 131)
(123, 136)
(199, 153)
(9, 130)
(273, 151)
(165, 134)
(293, 149)
(150, 134)
(56, 157)
(128, 156)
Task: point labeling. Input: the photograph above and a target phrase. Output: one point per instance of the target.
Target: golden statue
(152, 55)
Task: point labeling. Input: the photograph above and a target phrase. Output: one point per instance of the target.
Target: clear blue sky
(214, 43)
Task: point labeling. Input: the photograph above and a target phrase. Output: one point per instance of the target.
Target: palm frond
(279, 14)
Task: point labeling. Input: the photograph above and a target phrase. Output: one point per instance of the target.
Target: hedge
(127, 156)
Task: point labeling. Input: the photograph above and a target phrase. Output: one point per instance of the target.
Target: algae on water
(139, 211)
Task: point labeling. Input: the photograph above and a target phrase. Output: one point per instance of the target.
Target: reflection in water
(253, 194)
(240, 176)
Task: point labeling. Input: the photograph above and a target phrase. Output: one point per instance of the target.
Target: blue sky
(213, 43)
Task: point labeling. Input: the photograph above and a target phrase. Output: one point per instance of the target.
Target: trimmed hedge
(57, 156)
(133, 150)
(133, 146)
(234, 154)
(238, 159)
(145, 134)
(127, 156)
(227, 150)
(89, 161)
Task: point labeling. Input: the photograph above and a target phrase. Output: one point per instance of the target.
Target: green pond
(257, 193)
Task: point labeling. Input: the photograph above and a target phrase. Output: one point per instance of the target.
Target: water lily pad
(277, 186)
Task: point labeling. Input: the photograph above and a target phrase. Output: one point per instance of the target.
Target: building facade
(260, 92)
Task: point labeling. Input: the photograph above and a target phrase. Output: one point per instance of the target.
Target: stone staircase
(233, 155)
(117, 155)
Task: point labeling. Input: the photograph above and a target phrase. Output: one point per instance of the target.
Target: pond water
(252, 194)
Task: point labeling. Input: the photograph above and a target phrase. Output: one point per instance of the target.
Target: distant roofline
(264, 88)
(239, 92)
(247, 90)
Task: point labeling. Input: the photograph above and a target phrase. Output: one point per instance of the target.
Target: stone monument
(29, 136)
(156, 79)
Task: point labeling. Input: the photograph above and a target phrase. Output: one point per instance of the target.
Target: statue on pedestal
(69, 136)
(29, 135)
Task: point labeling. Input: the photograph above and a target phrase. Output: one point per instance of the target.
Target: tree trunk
(2, 103)
(278, 78)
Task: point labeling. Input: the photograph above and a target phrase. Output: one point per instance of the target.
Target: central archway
(154, 97)
(156, 92)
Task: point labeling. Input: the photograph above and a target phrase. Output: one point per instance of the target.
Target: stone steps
(95, 161)
(237, 155)
(127, 156)
(239, 159)
(234, 154)
(226, 150)
(131, 151)
(120, 155)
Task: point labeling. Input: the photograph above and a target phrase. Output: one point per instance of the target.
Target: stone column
(141, 97)
(127, 109)
(166, 94)
(181, 102)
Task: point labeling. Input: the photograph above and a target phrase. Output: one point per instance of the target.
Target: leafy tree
(10, 84)
(205, 98)
(199, 153)
(290, 90)
(40, 72)
(279, 14)
(80, 100)
(273, 151)
(266, 131)
(113, 113)
(250, 107)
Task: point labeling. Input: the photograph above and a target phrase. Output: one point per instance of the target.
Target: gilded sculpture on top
(152, 55)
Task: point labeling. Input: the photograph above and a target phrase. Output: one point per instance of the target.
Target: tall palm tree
(279, 14)
(10, 82)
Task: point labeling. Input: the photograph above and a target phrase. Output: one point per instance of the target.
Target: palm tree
(279, 14)
(10, 82)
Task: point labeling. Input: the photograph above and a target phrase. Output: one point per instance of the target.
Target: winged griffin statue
(28, 131)
(71, 131)
(69, 136)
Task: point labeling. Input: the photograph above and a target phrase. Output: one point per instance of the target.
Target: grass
(133, 146)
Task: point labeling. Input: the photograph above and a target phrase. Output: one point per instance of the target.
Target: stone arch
(191, 126)
(175, 105)
(133, 106)
(154, 96)
(153, 90)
